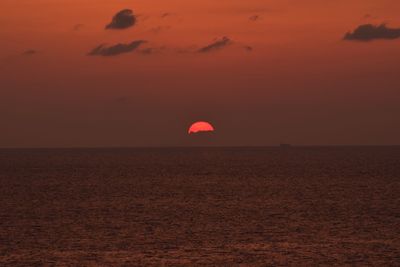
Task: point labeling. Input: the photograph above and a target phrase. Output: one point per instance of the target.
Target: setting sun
(200, 126)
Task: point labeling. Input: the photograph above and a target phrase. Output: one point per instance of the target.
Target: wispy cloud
(159, 29)
(218, 44)
(30, 52)
(114, 50)
(152, 50)
(248, 48)
(77, 27)
(166, 14)
(254, 18)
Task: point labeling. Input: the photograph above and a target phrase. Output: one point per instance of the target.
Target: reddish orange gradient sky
(301, 83)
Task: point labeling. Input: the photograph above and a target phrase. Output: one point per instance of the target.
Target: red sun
(200, 126)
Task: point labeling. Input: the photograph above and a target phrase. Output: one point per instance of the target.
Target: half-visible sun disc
(200, 126)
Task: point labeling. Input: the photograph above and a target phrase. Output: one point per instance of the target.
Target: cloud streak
(30, 52)
(166, 14)
(77, 27)
(122, 20)
(248, 48)
(254, 18)
(114, 50)
(369, 32)
(159, 29)
(217, 45)
(152, 50)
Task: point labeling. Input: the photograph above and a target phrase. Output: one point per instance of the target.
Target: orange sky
(300, 84)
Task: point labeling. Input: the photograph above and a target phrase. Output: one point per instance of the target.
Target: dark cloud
(103, 50)
(122, 20)
(218, 44)
(254, 18)
(369, 32)
(30, 52)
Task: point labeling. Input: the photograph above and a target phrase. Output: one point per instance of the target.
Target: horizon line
(283, 146)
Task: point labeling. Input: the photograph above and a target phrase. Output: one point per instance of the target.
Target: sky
(262, 72)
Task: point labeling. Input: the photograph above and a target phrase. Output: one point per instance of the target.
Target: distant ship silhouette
(285, 145)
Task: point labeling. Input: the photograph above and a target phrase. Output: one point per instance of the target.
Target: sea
(244, 206)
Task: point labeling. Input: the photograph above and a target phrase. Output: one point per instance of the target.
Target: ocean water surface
(303, 206)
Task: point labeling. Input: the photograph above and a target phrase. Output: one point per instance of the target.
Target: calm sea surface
(209, 206)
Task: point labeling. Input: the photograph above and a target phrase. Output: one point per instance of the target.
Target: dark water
(217, 207)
